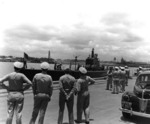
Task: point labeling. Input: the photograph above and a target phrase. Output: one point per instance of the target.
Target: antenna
(76, 58)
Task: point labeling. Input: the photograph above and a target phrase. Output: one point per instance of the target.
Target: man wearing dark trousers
(67, 84)
(116, 80)
(42, 90)
(122, 79)
(127, 74)
(109, 78)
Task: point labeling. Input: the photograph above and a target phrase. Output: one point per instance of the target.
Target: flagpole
(25, 60)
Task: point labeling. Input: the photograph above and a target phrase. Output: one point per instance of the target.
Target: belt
(41, 93)
(116, 78)
(15, 90)
(66, 89)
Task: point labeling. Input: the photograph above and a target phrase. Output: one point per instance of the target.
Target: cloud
(28, 32)
(112, 37)
(120, 28)
(30, 39)
(125, 35)
(78, 38)
(129, 37)
(116, 19)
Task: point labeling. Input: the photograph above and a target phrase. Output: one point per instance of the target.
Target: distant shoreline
(82, 62)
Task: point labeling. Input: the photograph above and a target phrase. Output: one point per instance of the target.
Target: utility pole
(49, 56)
(75, 61)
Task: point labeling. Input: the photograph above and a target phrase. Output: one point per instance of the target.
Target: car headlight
(126, 97)
(125, 103)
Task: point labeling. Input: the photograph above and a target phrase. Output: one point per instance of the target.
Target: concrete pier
(104, 107)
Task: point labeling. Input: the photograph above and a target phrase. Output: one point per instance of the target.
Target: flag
(26, 57)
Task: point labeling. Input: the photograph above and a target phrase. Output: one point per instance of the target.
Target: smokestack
(49, 54)
(92, 53)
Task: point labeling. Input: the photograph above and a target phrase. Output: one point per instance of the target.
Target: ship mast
(92, 54)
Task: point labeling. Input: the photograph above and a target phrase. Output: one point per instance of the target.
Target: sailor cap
(82, 70)
(116, 67)
(122, 68)
(66, 68)
(126, 66)
(18, 65)
(44, 65)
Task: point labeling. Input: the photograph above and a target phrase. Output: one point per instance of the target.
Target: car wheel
(126, 115)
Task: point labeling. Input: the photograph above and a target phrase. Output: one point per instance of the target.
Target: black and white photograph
(74, 62)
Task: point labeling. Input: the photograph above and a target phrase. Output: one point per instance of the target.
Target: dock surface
(104, 107)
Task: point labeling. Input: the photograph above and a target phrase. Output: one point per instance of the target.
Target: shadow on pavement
(83, 121)
(136, 120)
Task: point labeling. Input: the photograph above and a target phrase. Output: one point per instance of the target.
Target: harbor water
(7, 67)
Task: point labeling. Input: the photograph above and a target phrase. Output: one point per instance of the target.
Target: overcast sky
(115, 28)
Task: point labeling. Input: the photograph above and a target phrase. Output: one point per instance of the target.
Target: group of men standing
(117, 79)
(42, 85)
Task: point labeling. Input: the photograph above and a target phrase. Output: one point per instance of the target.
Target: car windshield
(144, 79)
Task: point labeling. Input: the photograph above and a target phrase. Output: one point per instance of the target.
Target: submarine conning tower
(92, 62)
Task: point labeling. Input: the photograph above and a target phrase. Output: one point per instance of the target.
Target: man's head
(116, 68)
(140, 68)
(110, 68)
(44, 66)
(18, 65)
(82, 70)
(122, 68)
(67, 70)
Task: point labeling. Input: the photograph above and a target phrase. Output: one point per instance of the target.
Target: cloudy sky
(115, 28)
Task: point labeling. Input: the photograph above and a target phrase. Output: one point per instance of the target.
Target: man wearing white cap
(109, 79)
(122, 79)
(67, 87)
(139, 70)
(83, 98)
(15, 88)
(116, 79)
(127, 74)
(42, 91)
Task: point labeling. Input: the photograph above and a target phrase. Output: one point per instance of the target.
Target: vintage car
(137, 102)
